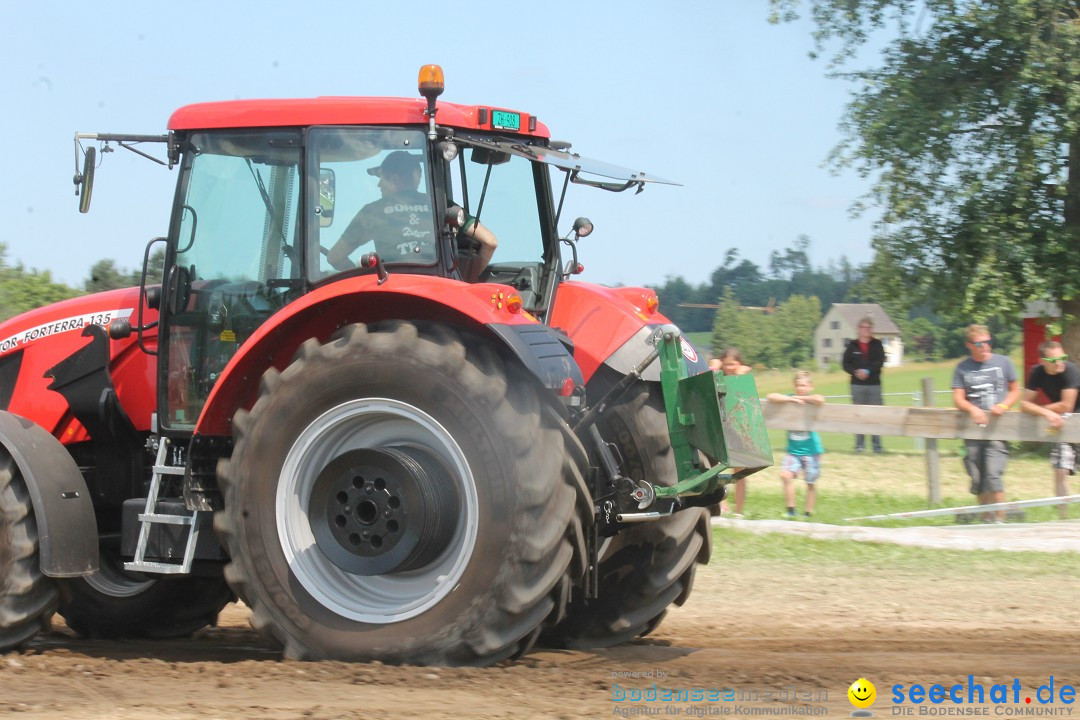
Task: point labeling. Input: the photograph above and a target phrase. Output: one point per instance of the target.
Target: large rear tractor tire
(400, 496)
(113, 603)
(28, 599)
(646, 567)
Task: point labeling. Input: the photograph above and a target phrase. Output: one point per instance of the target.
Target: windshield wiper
(285, 247)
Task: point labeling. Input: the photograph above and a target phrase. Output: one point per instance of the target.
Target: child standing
(803, 448)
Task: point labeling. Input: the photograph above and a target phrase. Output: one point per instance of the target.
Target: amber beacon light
(430, 84)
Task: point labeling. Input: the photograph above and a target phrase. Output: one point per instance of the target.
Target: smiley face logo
(862, 693)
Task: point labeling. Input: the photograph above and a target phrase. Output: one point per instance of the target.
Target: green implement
(711, 415)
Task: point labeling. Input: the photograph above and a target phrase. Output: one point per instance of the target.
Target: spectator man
(984, 384)
(1058, 379)
(863, 359)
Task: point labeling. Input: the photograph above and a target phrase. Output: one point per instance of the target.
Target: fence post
(932, 475)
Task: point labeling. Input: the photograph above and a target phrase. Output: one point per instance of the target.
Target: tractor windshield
(506, 193)
(236, 262)
(373, 194)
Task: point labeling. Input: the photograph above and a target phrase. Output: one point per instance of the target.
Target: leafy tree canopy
(970, 127)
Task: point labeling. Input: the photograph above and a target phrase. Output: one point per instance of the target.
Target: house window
(847, 341)
(834, 325)
(824, 359)
(827, 342)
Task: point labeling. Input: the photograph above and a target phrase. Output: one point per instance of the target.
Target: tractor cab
(279, 197)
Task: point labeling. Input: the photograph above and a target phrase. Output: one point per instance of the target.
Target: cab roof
(301, 112)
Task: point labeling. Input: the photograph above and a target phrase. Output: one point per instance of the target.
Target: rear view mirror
(485, 156)
(84, 180)
(325, 208)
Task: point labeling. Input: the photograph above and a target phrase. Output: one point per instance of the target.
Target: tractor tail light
(567, 388)
(513, 303)
(652, 304)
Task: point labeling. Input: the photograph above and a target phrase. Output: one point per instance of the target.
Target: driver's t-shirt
(400, 226)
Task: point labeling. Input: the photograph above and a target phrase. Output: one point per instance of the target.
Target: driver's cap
(397, 163)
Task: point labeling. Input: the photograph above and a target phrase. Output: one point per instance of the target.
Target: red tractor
(334, 407)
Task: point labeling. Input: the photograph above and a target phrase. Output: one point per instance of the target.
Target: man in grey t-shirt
(985, 384)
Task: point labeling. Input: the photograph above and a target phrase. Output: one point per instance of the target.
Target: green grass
(837, 557)
(858, 485)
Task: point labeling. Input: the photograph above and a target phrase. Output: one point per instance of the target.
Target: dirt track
(795, 632)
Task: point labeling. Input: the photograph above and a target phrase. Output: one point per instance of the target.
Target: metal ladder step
(165, 519)
(160, 568)
(151, 517)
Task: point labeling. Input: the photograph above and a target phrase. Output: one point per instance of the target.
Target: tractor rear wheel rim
(383, 510)
(308, 488)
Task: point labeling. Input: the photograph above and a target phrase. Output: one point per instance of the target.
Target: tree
(22, 289)
(782, 339)
(971, 129)
(795, 321)
(748, 330)
(104, 275)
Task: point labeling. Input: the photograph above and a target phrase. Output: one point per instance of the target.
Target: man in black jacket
(863, 360)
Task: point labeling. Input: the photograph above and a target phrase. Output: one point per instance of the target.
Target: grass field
(858, 485)
(835, 558)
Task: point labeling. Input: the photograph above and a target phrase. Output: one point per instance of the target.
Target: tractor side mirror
(179, 287)
(84, 180)
(327, 193)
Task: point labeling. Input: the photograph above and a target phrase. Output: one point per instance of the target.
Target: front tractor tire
(399, 496)
(646, 567)
(28, 599)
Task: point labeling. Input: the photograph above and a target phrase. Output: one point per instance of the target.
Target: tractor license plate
(503, 120)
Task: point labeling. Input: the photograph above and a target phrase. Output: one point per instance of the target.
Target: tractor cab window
(500, 190)
(372, 194)
(236, 256)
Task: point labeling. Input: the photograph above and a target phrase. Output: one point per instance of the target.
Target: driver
(399, 223)
(483, 243)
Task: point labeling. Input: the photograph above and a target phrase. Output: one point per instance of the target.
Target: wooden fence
(921, 422)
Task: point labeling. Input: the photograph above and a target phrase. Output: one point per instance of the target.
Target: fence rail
(930, 423)
(924, 422)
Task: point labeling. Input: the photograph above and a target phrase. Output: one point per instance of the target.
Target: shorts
(985, 464)
(1063, 457)
(809, 465)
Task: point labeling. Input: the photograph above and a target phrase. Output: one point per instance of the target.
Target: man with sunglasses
(1058, 379)
(985, 384)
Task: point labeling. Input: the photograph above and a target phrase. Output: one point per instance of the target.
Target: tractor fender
(63, 509)
(614, 327)
(479, 307)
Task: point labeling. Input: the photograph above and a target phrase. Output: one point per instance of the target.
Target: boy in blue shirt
(803, 448)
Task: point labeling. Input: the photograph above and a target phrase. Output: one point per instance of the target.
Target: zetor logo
(976, 693)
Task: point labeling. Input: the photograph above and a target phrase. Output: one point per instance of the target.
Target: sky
(708, 94)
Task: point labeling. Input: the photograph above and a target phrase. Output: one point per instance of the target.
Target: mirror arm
(148, 156)
(574, 262)
(562, 196)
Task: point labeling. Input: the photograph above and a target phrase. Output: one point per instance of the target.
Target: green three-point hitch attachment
(711, 415)
(717, 433)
